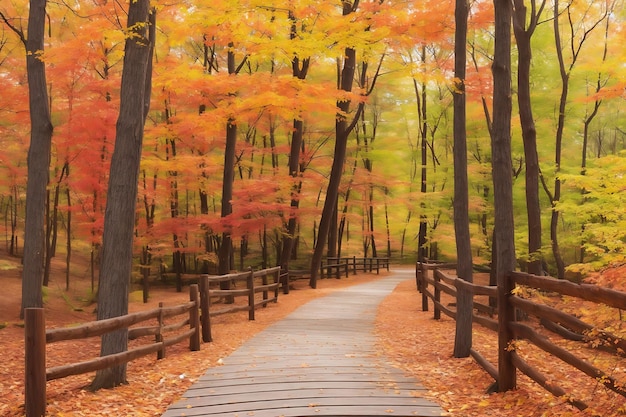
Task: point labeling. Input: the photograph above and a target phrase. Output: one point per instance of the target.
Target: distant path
(318, 361)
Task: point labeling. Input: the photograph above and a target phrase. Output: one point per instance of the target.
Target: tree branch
(13, 28)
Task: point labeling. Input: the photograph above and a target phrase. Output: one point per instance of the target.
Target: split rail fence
(337, 268)
(198, 309)
(562, 323)
(362, 264)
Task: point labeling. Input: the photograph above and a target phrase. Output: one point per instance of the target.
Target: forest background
(268, 81)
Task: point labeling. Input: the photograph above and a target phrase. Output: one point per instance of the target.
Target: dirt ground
(409, 337)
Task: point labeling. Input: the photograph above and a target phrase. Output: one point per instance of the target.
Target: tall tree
(225, 250)
(421, 98)
(463, 334)
(38, 154)
(503, 183)
(524, 25)
(587, 23)
(342, 131)
(119, 217)
(299, 70)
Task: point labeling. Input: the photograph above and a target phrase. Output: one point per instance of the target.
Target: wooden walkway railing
(363, 264)
(553, 319)
(198, 309)
(334, 267)
(250, 291)
(36, 338)
(337, 268)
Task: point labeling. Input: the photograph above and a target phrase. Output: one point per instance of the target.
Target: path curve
(318, 361)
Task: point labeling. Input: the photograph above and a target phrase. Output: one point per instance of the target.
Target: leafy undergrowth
(460, 385)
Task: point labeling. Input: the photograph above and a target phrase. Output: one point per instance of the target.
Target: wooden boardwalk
(318, 361)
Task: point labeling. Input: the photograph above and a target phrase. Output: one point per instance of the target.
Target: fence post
(424, 284)
(418, 276)
(35, 362)
(507, 378)
(159, 336)
(354, 265)
(437, 300)
(265, 293)
(276, 281)
(284, 280)
(145, 285)
(347, 266)
(194, 318)
(250, 281)
(204, 308)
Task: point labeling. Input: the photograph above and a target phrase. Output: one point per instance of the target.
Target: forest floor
(409, 337)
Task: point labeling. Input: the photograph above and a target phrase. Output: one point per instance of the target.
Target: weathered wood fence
(199, 313)
(553, 319)
(250, 290)
(356, 264)
(334, 267)
(36, 338)
(337, 268)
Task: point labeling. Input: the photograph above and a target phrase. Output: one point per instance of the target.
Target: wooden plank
(264, 377)
(320, 410)
(319, 361)
(239, 388)
(196, 405)
(205, 397)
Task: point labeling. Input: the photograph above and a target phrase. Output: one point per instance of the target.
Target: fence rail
(364, 264)
(250, 291)
(560, 322)
(265, 282)
(36, 338)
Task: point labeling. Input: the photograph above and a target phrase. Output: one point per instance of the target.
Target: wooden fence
(199, 310)
(36, 338)
(562, 323)
(362, 264)
(334, 267)
(250, 290)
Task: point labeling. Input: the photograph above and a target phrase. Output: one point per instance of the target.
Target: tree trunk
(423, 229)
(463, 334)
(296, 169)
(177, 263)
(225, 249)
(68, 247)
(556, 196)
(38, 159)
(342, 132)
(52, 225)
(332, 192)
(523, 33)
(503, 185)
(224, 253)
(119, 217)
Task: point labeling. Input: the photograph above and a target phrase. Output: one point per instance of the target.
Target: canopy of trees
(289, 87)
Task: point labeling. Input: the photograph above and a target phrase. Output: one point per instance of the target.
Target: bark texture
(463, 334)
(119, 217)
(38, 159)
(503, 185)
